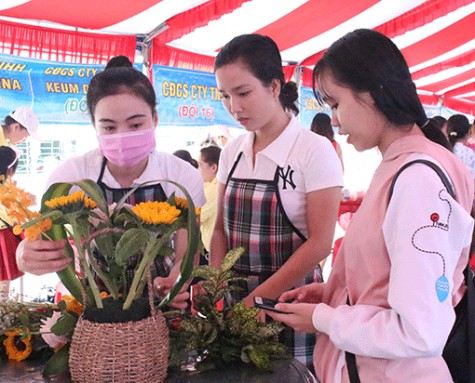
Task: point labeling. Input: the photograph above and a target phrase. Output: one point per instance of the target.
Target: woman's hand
(311, 293)
(162, 287)
(249, 302)
(42, 257)
(296, 315)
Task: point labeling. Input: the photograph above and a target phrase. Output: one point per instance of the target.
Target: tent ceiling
(437, 37)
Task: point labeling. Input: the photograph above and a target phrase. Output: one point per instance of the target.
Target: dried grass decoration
(119, 347)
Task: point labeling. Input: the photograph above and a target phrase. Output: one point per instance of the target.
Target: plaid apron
(162, 265)
(254, 218)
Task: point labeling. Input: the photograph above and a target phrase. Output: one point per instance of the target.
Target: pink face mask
(127, 149)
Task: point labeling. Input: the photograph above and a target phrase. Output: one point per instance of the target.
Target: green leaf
(65, 324)
(131, 243)
(231, 257)
(68, 275)
(58, 363)
(94, 192)
(54, 215)
(165, 251)
(187, 262)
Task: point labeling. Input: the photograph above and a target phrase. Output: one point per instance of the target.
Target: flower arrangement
(220, 336)
(121, 234)
(107, 240)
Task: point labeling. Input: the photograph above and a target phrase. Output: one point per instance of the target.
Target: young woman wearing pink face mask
(122, 101)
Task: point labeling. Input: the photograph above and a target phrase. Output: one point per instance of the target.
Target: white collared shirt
(160, 166)
(308, 161)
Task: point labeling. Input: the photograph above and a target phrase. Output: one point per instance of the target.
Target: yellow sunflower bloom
(72, 304)
(156, 213)
(182, 203)
(71, 202)
(12, 342)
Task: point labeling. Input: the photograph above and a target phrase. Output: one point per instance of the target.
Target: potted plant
(120, 336)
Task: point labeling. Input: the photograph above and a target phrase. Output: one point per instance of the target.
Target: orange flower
(13, 340)
(72, 304)
(33, 232)
(103, 294)
(16, 201)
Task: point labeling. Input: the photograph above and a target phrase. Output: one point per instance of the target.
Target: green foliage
(119, 237)
(222, 336)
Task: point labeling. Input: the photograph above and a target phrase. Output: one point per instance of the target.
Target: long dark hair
(458, 127)
(119, 77)
(321, 124)
(262, 57)
(367, 61)
(8, 161)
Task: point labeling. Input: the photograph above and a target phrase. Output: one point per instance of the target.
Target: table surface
(285, 370)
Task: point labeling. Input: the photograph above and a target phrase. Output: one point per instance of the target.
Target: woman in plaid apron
(279, 185)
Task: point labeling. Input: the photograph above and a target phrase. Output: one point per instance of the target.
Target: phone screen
(266, 304)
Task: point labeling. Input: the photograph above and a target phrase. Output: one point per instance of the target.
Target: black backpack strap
(430, 164)
(350, 357)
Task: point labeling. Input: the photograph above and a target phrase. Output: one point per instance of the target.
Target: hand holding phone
(267, 304)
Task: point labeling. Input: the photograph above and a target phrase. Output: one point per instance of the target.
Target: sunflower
(71, 203)
(18, 347)
(155, 213)
(182, 203)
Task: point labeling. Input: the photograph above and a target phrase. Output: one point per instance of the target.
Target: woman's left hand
(162, 286)
(296, 315)
(249, 302)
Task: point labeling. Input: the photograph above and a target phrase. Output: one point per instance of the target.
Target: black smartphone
(267, 304)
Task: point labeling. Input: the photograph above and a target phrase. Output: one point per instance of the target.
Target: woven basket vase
(130, 352)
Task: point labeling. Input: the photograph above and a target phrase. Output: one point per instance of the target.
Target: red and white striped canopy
(437, 37)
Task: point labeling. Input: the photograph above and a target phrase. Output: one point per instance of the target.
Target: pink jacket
(362, 271)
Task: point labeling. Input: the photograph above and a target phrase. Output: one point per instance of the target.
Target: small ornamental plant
(216, 336)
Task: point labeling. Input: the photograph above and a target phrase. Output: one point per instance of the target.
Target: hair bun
(119, 62)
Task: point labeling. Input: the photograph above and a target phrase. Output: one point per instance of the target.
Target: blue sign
(309, 107)
(189, 98)
(55, 91)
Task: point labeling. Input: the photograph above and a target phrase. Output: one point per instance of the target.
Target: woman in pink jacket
(399, 271)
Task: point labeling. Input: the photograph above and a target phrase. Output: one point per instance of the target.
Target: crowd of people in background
(276, 190)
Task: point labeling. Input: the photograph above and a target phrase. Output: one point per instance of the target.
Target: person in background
(387, 309)
(321, 124)
(8, 241)
(279, 185)
(434, 133)
(458, 128)
(122, 104)
(208, 162)
(186, 156)
(440, 122)
(18, 125)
